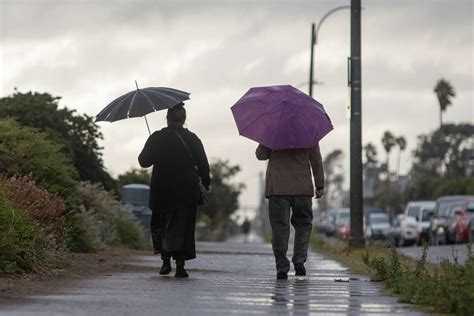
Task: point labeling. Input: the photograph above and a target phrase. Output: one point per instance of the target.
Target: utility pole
(356, 197)
(313, 27)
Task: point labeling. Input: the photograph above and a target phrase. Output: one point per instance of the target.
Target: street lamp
(314, 40)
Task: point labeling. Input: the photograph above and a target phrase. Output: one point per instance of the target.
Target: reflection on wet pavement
(232, 277)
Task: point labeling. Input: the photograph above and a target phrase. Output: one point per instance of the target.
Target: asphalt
(227, 278)
(437, 254)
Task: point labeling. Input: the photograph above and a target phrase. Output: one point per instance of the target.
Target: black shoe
(166, 267)
(300, 270)
(282, 276)
(181, 272)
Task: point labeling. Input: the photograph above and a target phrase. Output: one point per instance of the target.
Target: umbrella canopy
(281, 117)
(141, 102)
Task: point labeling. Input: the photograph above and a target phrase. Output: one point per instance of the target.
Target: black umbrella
(141, 102)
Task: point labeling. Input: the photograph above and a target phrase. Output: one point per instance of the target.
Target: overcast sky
(90, 52)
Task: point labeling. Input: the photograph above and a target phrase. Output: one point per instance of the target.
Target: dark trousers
(301, 219)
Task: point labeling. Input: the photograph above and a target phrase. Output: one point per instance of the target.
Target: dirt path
(77, 267)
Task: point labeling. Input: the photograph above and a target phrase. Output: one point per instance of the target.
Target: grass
(23, 247)
(444, 288)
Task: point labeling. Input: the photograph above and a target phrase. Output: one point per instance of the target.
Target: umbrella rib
(246, 127)
(131, 103)
(277, 129)
(149, 101)
(160, 96)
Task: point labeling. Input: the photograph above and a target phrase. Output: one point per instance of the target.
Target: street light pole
(356, 197)
(314, 40)
(313, 26)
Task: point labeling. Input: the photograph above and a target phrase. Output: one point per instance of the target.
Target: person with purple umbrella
(289, 186)
(288, 125)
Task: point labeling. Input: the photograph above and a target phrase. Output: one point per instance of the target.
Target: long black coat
(173, 179)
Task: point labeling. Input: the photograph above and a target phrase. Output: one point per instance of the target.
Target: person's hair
(176, 114)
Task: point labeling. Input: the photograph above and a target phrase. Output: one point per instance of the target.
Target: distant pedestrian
(289, 186)
(246, 229)
(179, 163)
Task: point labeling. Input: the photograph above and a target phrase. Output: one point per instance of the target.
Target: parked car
(450, 219)
(329, 225)
(378, 226)
(342, 224)
(403, 231)
(423, 224)
(463, 213)
(412, 219)
(331, 218)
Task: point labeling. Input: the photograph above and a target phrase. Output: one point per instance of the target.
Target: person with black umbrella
(179, 166)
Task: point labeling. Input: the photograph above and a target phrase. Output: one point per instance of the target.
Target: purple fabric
(281, 117)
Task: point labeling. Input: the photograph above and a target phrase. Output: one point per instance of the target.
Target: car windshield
(343, 218)
(379, 220)
(444, 207)
(470, 207)
(414, 211)
(427, 213)
(455, 207)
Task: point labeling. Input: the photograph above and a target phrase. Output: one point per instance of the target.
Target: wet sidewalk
(227, 278)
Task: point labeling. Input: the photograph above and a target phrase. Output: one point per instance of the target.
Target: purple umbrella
(281, 117)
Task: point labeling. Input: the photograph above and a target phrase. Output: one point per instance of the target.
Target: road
(438, 253)
(227, 278)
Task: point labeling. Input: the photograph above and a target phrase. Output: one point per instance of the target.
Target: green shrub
(23, 248)
(25, 150)
(46, 209)
(80, 233)
(101, 205)
(130, 235)
(112, 226)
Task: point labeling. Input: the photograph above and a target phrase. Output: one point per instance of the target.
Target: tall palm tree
(444, 92)
(370, 154)
(402, 145)
(388, 142)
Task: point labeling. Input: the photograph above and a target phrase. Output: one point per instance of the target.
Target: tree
(223, 201)
(334, 179)
(444, 92)
(371, 155)
(388, 142)
(442, 160)
(134, 175)
(402, 145)
(447, 153)
(77, 135)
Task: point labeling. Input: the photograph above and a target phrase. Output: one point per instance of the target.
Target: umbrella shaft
(147, 125)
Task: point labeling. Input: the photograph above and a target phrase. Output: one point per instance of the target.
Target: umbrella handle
(147, 125)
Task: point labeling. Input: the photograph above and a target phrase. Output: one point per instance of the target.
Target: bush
(112, 225)
(81, 233)
(46, 209)
(130, 235)
(25, 150)
(23, 248)
(101, 205)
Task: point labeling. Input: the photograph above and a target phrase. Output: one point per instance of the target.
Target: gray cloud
(89, 52)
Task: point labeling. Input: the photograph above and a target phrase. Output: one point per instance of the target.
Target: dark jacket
(288, 171)
(174, 180)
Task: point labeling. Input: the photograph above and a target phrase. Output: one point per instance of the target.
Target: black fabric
(173, 178)
(173, 232)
